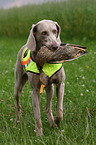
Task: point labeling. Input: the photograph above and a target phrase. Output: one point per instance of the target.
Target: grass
(79, 123)
(77, 20)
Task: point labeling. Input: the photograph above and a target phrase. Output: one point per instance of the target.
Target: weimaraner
(44, 33)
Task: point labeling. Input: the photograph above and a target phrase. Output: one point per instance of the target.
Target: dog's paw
(16, 122)
(39, 132)
(54, 126)
(57, 121)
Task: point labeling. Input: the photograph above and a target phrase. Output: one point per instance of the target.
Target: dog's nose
(55, 47)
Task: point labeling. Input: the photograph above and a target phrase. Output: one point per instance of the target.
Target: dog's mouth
(52, 47)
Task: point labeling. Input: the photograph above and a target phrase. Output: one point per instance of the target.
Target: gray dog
(44, 33)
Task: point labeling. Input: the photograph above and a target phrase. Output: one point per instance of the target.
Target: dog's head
(44, 33)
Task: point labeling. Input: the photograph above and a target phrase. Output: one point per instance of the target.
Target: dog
(44, 33)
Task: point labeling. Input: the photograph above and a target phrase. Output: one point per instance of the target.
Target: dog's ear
(31, 42)
(58, 31)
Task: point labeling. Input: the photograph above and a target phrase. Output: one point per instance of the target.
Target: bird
(65, 52)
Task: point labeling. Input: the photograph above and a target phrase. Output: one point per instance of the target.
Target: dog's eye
(54, 31)
(44, 33)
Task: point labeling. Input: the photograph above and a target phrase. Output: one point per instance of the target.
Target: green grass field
(79, 124)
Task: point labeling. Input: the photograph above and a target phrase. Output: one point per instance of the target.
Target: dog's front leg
(35, 85)
(17, 93)
(50, 92)
(36, 107)
(60, 95)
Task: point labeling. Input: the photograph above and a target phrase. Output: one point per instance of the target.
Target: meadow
(77, 21)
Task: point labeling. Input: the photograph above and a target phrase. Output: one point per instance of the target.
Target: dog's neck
(33, 55)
